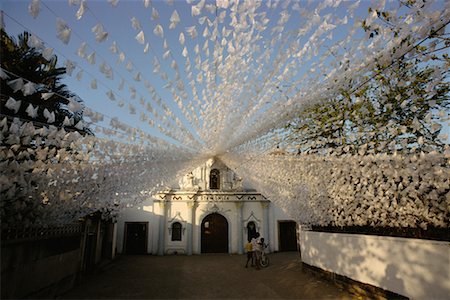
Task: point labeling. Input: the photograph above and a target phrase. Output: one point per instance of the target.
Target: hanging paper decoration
(34, 41)
(16, 84)
(106, 70)
(48, 53)
(159, 31)
(140, 37)
(91, 58)
(135, 24)
(111, 96)
(63, 31)
(94, 84)
(50, 116)
(174, 20)
(100, 34)
(192, 32)
(114, 48)
(155, 14)
(81, 10)
(79, 75)
(34, 8)
(13, 105)
(29, 88)
(32, 111)
(81, 52)
(113, 2)
(249, 70)
(46, 96)
(181, 38)
(70, 66)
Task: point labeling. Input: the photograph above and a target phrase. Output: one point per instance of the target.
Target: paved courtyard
(207, 276)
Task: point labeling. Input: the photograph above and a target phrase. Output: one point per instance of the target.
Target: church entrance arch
(214, 234)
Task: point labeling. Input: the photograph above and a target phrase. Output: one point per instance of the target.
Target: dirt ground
(206, 276)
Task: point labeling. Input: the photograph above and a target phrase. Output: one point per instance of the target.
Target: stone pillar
(265, 205)
(191, 205)
(162, 227)
(240, 244)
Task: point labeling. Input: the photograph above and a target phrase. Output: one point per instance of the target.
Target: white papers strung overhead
(135, 24)
(13, 105)
(159, 31)
(16, 84)
(81, 10)
(174, 20)
(155, 14)
(62, 31)
(50, 116)
(46, 96)
(32, 111)
(100, 34)
(140, 37)
(34, 8)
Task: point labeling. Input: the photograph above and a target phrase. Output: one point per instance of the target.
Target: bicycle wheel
(264, 261)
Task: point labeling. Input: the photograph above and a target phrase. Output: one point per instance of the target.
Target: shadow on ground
(207, 276)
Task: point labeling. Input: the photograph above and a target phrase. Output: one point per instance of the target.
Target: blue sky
(117, 22)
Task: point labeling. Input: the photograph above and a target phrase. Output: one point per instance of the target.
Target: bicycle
(264, 261)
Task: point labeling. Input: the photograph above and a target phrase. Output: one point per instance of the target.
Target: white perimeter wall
(418, 269)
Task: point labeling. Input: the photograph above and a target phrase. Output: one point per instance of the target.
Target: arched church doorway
(214, 234)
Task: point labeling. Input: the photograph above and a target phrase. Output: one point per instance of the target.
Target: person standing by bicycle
(257, 248)
(249, 250)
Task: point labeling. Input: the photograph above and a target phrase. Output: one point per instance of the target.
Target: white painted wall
(151, 212)
(418, 269)
(139, 213)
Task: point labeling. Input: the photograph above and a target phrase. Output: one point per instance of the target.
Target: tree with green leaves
(399, 106)
(20, 60)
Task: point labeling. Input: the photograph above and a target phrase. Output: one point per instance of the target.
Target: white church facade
(210, 211)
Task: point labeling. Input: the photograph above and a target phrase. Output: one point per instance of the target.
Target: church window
(214, 179)
(251, 230)
(176, 231)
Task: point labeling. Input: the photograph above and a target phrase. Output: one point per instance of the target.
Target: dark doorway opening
(287, 235)
(251, 230)
(214, 234)
(136, 237)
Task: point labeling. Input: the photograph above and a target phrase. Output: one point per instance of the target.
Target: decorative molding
(177, 217)
(215, 209)
(252, 218)
(177, 198)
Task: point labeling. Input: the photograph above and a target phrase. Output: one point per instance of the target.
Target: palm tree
(18, 59)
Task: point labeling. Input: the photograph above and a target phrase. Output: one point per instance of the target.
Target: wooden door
(287, 235)
(135, 238)
(214, 234)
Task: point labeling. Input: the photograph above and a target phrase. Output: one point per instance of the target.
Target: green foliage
(398, 107)
(21, 60)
